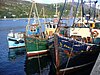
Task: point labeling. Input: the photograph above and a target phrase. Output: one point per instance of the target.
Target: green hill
(21, 9)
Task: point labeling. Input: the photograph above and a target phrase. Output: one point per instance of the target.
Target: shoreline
(12, 18)
(16, 18)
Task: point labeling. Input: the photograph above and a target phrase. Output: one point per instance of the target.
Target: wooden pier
(96, 68)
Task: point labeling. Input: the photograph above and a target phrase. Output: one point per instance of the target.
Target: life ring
(95, 33)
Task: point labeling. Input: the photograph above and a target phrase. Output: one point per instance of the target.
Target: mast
(56, 9)
(90, 8)
(82, 10)
(44, 16)
(98, 11)
(94, 10)
(27, 27)
(38, 18)
(43, 12)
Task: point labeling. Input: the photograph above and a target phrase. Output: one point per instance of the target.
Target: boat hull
(15, 40)
(14, 43)
(72, 54)
(36, 46)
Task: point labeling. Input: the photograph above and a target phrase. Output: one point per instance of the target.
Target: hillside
(21, 9)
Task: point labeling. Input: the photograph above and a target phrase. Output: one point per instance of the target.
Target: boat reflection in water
(14, 53)
(39, 66)
(42, 65)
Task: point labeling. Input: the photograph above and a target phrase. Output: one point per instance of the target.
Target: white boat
(15, 40)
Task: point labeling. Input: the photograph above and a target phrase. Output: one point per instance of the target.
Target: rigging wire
(38, 18)
(27, 27)
(73, 43)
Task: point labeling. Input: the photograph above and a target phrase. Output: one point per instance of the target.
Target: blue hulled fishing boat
(74, 47)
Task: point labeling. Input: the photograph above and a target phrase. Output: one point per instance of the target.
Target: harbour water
(18, 64)
(15, 66)
(14, 63)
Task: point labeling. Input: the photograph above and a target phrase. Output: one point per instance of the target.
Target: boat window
(97, 25)
(21, 41)
(50, 26)
(47, 26)
(54, 26)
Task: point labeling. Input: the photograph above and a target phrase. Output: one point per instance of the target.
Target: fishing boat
(74, 47)
(15, 40)
(35, 37)
(16, 44)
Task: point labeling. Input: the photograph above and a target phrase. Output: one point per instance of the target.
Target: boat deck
(96, 68)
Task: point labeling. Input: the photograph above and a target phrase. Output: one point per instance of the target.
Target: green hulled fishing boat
(35, 38)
